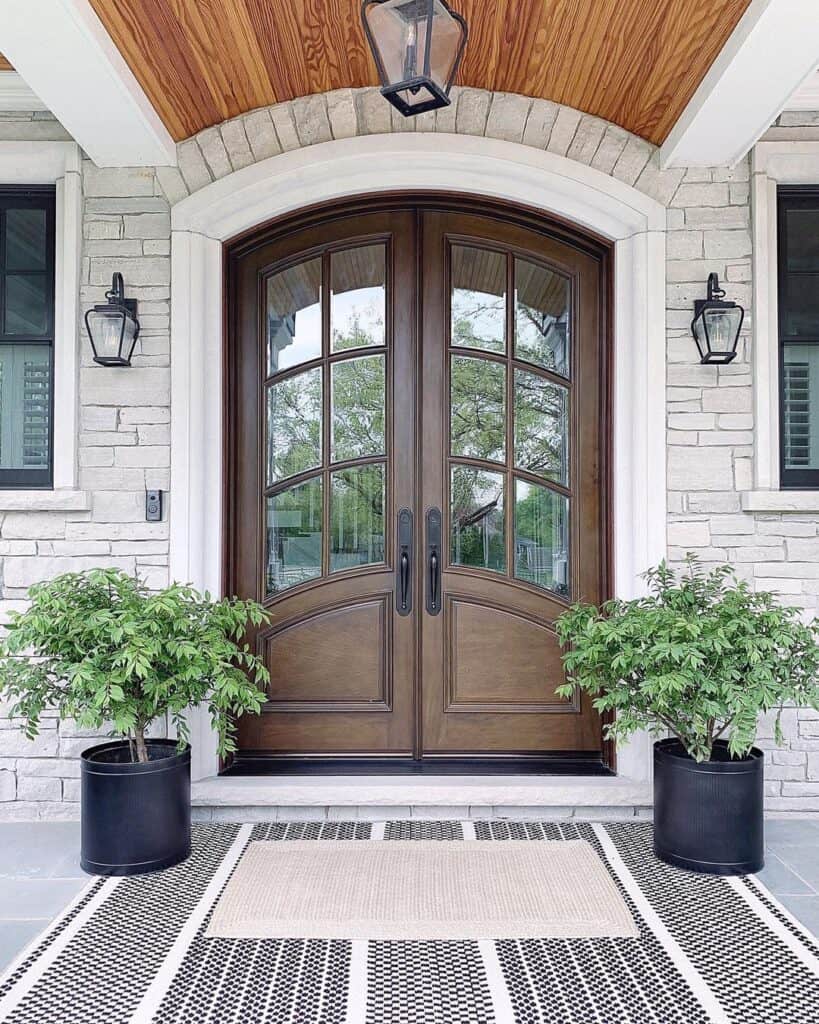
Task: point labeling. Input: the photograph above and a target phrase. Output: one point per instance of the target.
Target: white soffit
(806, 96)
(771, 52)
(62, 51)
(16, 95)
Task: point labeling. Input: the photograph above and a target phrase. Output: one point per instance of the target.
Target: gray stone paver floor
(40, 874)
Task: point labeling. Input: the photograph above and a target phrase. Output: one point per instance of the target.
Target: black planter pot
(135, 817)
(708, 815)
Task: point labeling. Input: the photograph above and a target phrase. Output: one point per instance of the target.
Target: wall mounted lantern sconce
(417, 46)
(113, 328)
(716, 325)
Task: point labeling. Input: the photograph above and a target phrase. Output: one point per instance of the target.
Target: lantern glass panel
(399, 28)
(722, 326)
(443, 50)
(106, 328)
(129, 337)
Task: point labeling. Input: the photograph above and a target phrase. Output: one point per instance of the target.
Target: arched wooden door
(416, 480)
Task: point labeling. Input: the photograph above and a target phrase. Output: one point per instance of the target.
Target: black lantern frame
(421, 78)
(705, 310)
(117, 307)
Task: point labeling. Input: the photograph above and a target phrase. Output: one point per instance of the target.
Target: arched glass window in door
(510, 384)
(326, 415)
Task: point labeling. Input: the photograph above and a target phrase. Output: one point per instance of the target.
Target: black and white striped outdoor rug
(134, 950)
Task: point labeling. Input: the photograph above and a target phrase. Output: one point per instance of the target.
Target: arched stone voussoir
(346, 113)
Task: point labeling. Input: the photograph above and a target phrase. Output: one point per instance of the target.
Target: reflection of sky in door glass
(294, 315)
(358, 287)
(478, 298)
(358, 318)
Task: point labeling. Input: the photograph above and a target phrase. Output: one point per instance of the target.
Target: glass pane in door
(476, 517)
(478, 298)
(542, 317)
(293, 425)
(294, 316)
(293, 529)
(358, 279)
(542, 537)
(478, 408)
(541, 426)
(357, 517)
(358, 397)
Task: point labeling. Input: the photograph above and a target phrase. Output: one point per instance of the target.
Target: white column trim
(772, 163)
(66, 56)
(735, 103)
(60, 163)
(485, 167)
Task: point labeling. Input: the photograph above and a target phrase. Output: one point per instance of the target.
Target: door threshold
(569, 764)
(342, 797)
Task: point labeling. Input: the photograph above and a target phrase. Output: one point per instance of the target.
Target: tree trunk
(141, 747)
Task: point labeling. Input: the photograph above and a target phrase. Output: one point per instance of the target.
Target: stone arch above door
(312, 175)
(540, 124)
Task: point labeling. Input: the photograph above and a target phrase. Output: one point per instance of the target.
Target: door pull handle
(403, 588)
(434, 561)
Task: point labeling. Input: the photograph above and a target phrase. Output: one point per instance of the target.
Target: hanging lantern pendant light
(417, 46)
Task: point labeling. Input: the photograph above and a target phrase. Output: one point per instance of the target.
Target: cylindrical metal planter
(135, 817)
(708, 815)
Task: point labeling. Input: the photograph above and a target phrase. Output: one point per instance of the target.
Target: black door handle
(403, 589)
(434, 561)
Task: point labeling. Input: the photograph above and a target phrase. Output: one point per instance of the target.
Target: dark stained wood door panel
(516, 468)
(492, 344)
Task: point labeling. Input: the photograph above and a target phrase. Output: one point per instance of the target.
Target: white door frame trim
(492, 168)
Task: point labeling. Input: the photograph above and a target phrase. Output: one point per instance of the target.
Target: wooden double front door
(416, 478)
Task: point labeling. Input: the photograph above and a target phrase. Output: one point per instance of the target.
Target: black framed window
(798, 262)
(26, 336)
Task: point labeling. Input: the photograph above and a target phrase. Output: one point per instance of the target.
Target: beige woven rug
(420, 889)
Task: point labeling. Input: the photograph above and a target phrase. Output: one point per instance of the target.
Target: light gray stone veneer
(125, 414)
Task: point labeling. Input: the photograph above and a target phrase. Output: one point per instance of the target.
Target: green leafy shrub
(701, 656)
(99, 647)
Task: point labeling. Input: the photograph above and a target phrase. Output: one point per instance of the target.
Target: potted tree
(100, 648)
(699, 658)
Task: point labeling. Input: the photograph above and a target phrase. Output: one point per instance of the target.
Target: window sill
(780, 501)
(45, 501)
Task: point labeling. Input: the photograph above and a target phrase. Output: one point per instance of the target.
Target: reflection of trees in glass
(478, 416)
(362, 325)
(478, 298)
(358, 408)
(357, 517)
(294, 425)
(294, 521)
(477, 518)
(541, 426)
(541, 537)
(478, 320)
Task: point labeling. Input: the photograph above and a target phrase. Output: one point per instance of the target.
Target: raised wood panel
(335, 660)
(500, 661)
(634, 62)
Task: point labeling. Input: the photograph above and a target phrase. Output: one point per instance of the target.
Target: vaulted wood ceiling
(634, 62)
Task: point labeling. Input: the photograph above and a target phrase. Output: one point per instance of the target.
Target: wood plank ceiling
(634, 62)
